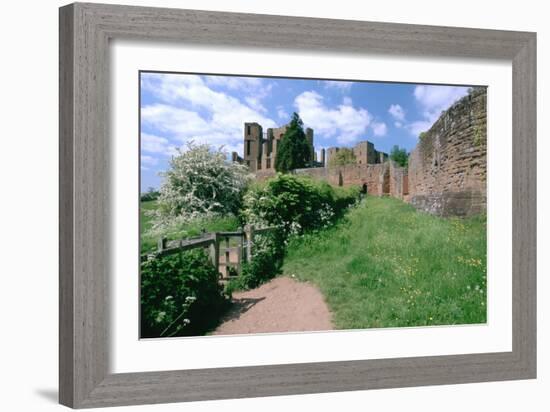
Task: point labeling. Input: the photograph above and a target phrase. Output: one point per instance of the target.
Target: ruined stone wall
(398, 178)
(448, 168)
(376, 176)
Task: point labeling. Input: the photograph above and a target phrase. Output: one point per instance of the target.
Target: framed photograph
(256, 205)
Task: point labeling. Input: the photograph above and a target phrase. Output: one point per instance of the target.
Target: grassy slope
(149, 243)
(388, 265)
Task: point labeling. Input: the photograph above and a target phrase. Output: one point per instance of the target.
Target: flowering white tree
(200, 183)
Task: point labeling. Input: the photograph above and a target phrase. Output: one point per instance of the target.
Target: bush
(268, 253)
(295, 203)
(180, 295)
(199, 184)
(151, 194)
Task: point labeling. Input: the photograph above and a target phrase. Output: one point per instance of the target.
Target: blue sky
(177, 108)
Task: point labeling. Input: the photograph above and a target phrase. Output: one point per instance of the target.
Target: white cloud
(344, 122)
(255, 103)
(435, 99)
(190, 110)
(379, 128)
(155, 144)
(282, 114)
(415, 128)
(337, 84)
(397, 112)
(234, 82)
(149, 160)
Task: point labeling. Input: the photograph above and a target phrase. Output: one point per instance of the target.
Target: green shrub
(150, 195)
(268, 253)
(295, 203)
(180, 295)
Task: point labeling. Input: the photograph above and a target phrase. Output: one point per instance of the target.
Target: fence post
(215, 251)
(249, 230)
(162, 244)
(240, 247)
(227, 256)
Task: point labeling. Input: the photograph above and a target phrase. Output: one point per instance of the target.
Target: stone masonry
(260, 149)
(446, 174)
(447, 171)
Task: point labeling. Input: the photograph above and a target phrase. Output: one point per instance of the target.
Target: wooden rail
(219, 245)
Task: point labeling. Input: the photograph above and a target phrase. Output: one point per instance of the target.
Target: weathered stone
(448, 168)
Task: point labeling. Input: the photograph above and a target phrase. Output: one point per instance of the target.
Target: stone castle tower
(364, 152)
(260, 149)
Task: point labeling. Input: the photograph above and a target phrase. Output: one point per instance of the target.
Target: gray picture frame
(85, 32)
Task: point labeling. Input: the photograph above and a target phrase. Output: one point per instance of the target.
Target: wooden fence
(226, 249)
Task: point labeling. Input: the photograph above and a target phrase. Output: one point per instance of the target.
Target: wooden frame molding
(85, 31)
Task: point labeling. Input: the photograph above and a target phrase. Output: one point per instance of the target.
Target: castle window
(248, 129)
(248, 147)
(268, 164)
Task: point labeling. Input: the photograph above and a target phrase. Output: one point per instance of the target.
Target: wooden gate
(228, 250)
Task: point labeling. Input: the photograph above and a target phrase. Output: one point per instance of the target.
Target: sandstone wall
(447, 171)
(448, 167)
(376, 176)
(398, 179)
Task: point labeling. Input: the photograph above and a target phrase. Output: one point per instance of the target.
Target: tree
(293, 150)
(200, 183)
(399, 156)
(344, 156)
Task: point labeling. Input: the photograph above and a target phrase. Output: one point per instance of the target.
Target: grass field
(149, 243)
(388, 265)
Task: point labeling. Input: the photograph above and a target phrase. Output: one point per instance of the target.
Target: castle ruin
(364, 153)
(260, 150)
(446, 174)
(447, 170)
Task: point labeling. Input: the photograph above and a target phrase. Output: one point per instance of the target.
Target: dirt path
(281, 305)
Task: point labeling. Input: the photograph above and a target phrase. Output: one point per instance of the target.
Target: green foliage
(268, 254)
(344, 156)
(295, 203)
(180, 295)
(182, 230)
(293, 150)
(399, 156)
(388, 265)
(422, 135)
(480, 135)
(151, 194)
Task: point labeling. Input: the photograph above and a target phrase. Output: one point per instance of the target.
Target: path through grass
(388, 265)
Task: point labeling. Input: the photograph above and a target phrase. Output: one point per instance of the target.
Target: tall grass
(388, 265)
